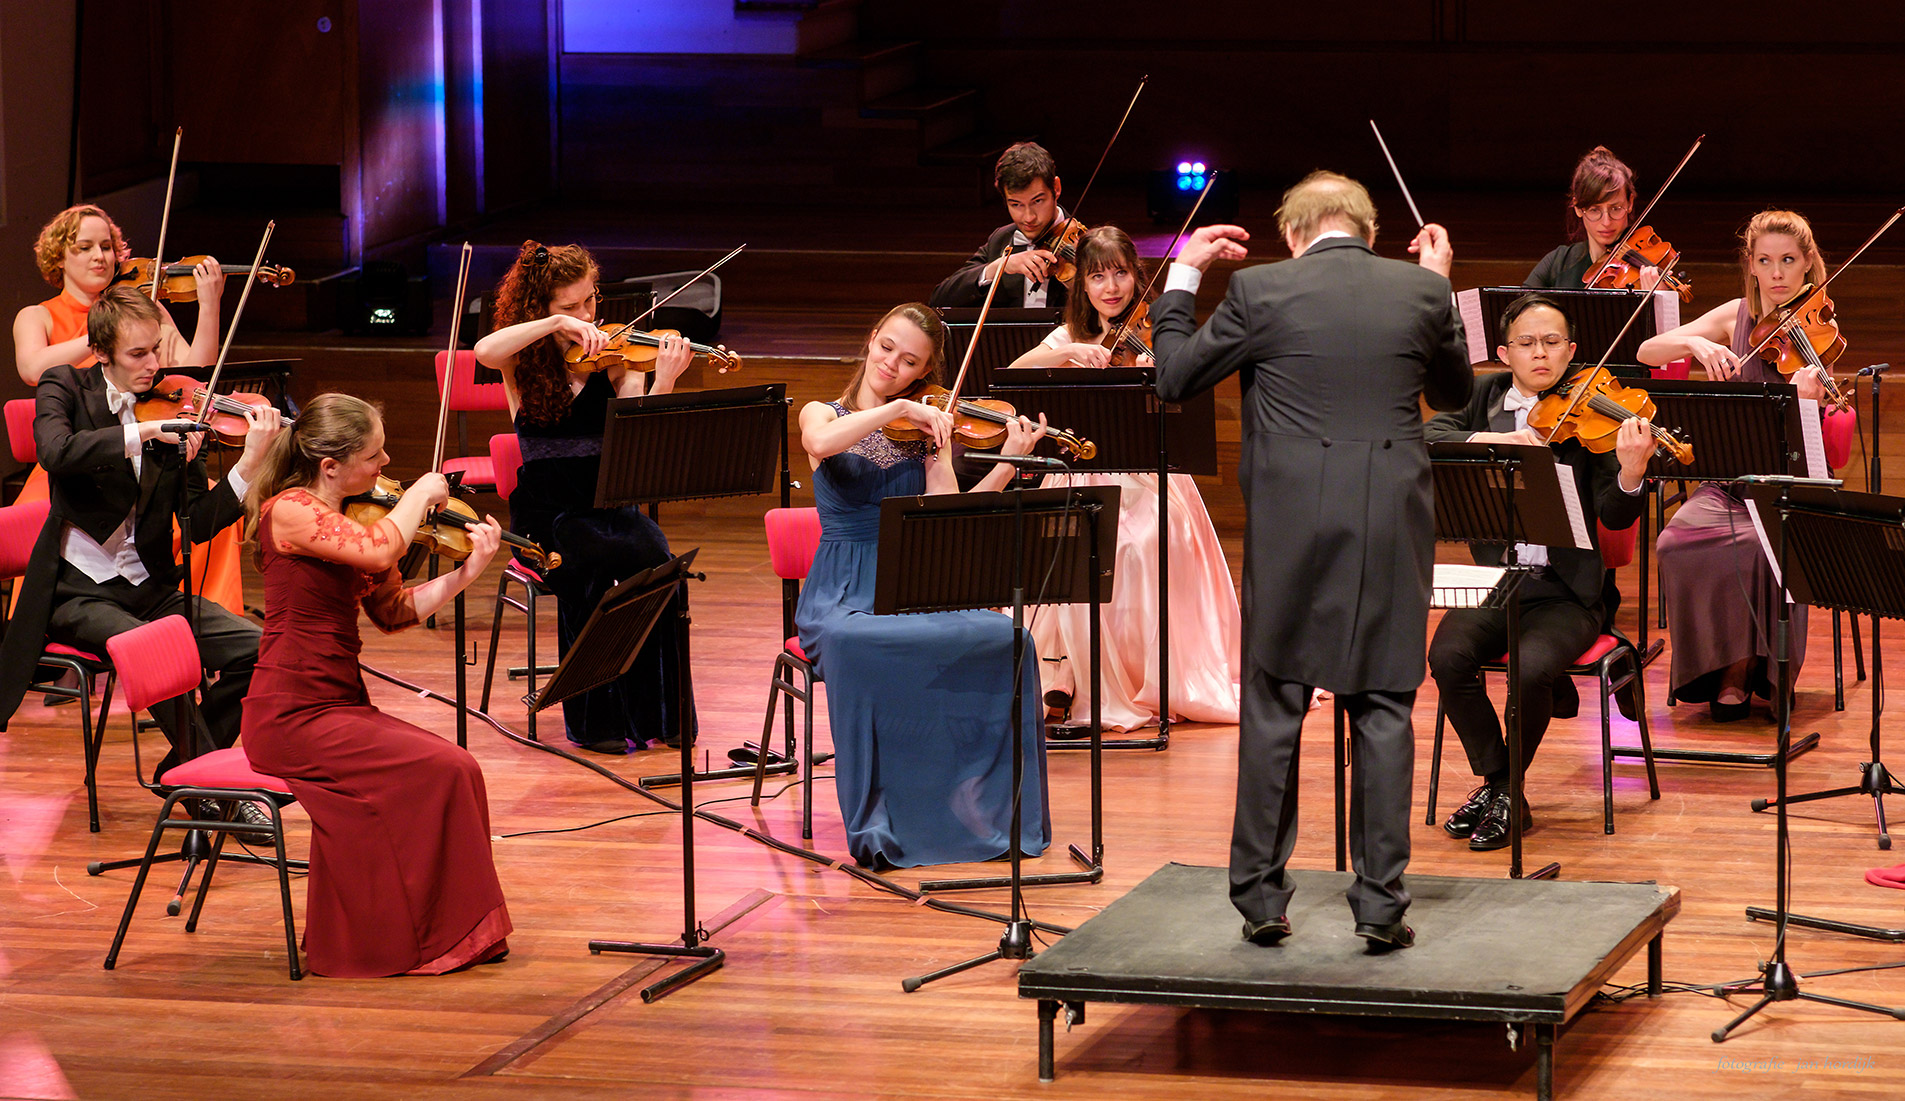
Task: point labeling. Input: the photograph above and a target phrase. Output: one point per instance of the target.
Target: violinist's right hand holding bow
(1718, 359)
(935, 421)
(1089, 355)
(573, 330)
(1033, 263)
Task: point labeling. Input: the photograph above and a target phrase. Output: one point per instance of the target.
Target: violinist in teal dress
(920, 705)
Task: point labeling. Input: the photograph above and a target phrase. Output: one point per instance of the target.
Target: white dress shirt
(1035, 293)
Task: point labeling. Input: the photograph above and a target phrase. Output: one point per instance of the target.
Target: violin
(1061, 240)
(979, 424)
(1591, 406)
(181, 397)
(1803, 332)
(637, 350)
(446, 530)
(1130, 339)
(1641, 248)
(177, 285)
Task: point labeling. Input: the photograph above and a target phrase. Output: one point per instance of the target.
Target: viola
(1641, 248)
(1804, 332)
(181, 397)
(637, 350)
(445, 531)
(979, 424)
(176, 283)
(1591, 406)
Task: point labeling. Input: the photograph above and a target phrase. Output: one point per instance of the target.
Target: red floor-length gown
(402, 879)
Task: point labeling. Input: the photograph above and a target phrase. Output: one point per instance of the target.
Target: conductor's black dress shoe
(1386, 937)
(1267, 933)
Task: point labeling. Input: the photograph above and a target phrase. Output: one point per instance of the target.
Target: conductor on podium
(1335, 348)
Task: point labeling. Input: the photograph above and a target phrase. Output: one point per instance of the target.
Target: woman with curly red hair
(545, 305)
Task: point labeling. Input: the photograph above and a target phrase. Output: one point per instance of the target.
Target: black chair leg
(139, 882)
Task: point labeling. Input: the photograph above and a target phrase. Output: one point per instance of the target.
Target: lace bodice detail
(885, 453)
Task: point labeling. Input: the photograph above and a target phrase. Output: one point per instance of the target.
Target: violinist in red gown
(402, 880)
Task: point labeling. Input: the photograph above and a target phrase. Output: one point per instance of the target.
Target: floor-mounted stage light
(1173, 191)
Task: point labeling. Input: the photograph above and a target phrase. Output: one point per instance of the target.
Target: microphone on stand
(1789, 480)
(1033, 463)
(179, 428)
(1875, 369)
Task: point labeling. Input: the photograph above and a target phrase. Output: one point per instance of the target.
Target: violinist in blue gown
(920, 705)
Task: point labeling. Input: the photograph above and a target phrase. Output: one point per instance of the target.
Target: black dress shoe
(1267, 933)
(1491, 832)
(744, 756)
(1462, 823)
(1729, 712)
(1388, 937)
(616, 748)
(1567, 698)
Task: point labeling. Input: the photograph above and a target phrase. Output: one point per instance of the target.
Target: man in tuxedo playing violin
(1336, 348)
(1027, 177)
(104, 561)
(1563, 607)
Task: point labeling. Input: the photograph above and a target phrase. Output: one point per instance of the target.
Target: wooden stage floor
(809, 1003)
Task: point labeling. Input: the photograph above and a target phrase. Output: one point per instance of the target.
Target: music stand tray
(1498, 494)
(954, 551)
(1597, 316)
(1118, 410)
(675, 447)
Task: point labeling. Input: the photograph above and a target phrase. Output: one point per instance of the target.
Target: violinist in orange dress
(545, 308)
(81, 251)
(402, 879)
(1027, 178)
(1718, 587)
(104, 562)
(1206, 625)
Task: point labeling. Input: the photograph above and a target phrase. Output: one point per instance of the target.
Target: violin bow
(1410, 199)
(1641, 220)
(702, 274)
(165, 217)
(1118, 333)
(449, 361)
(1093, 178)
(972, 342)
(238, 312)
(1805, 294)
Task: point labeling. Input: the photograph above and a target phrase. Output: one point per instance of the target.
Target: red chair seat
(477, 470)
(1601, 648)
(527, 571)
(61, 650)
(793, 647)
(221, 768)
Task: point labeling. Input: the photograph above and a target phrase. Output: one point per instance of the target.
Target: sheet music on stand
(1737, 428)
(1596, 316)
(1481, 502)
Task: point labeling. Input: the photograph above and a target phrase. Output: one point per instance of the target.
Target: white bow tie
(1514, 399)
(117, 400)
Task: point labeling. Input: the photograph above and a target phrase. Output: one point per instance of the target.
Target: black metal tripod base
(1869, 932)
(1874, 781)
(1016, 944)
(1550, 870)
(738, 772)
(1781, 985)
(1093, 872)
(708, 960)
(194, 850)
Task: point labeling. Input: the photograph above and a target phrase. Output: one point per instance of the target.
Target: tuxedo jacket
(962, 288)
(1596, 480)
(1335, 349)
(91, 485)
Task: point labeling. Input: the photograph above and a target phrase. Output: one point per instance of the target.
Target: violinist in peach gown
(1206, 627)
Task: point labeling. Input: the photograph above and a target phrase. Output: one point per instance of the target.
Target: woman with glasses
(1719, 589)
(1599, 202)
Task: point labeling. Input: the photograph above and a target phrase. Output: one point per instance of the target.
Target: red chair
(470, 396)
(20, 527)
(793, 535)
(1609, 652)
(506, 452)
(161, 661)
(19, 413)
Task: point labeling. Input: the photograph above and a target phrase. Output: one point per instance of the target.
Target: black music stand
(1596, 316)
(1822, 559)
(1500, 495)
(1118, 409)
(1846, 554)
(1736, 428)
(675, 447)
(951, 552)
(1008, 333)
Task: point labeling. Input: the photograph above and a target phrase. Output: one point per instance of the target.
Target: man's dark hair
(1528, 302)
(1022, 165)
